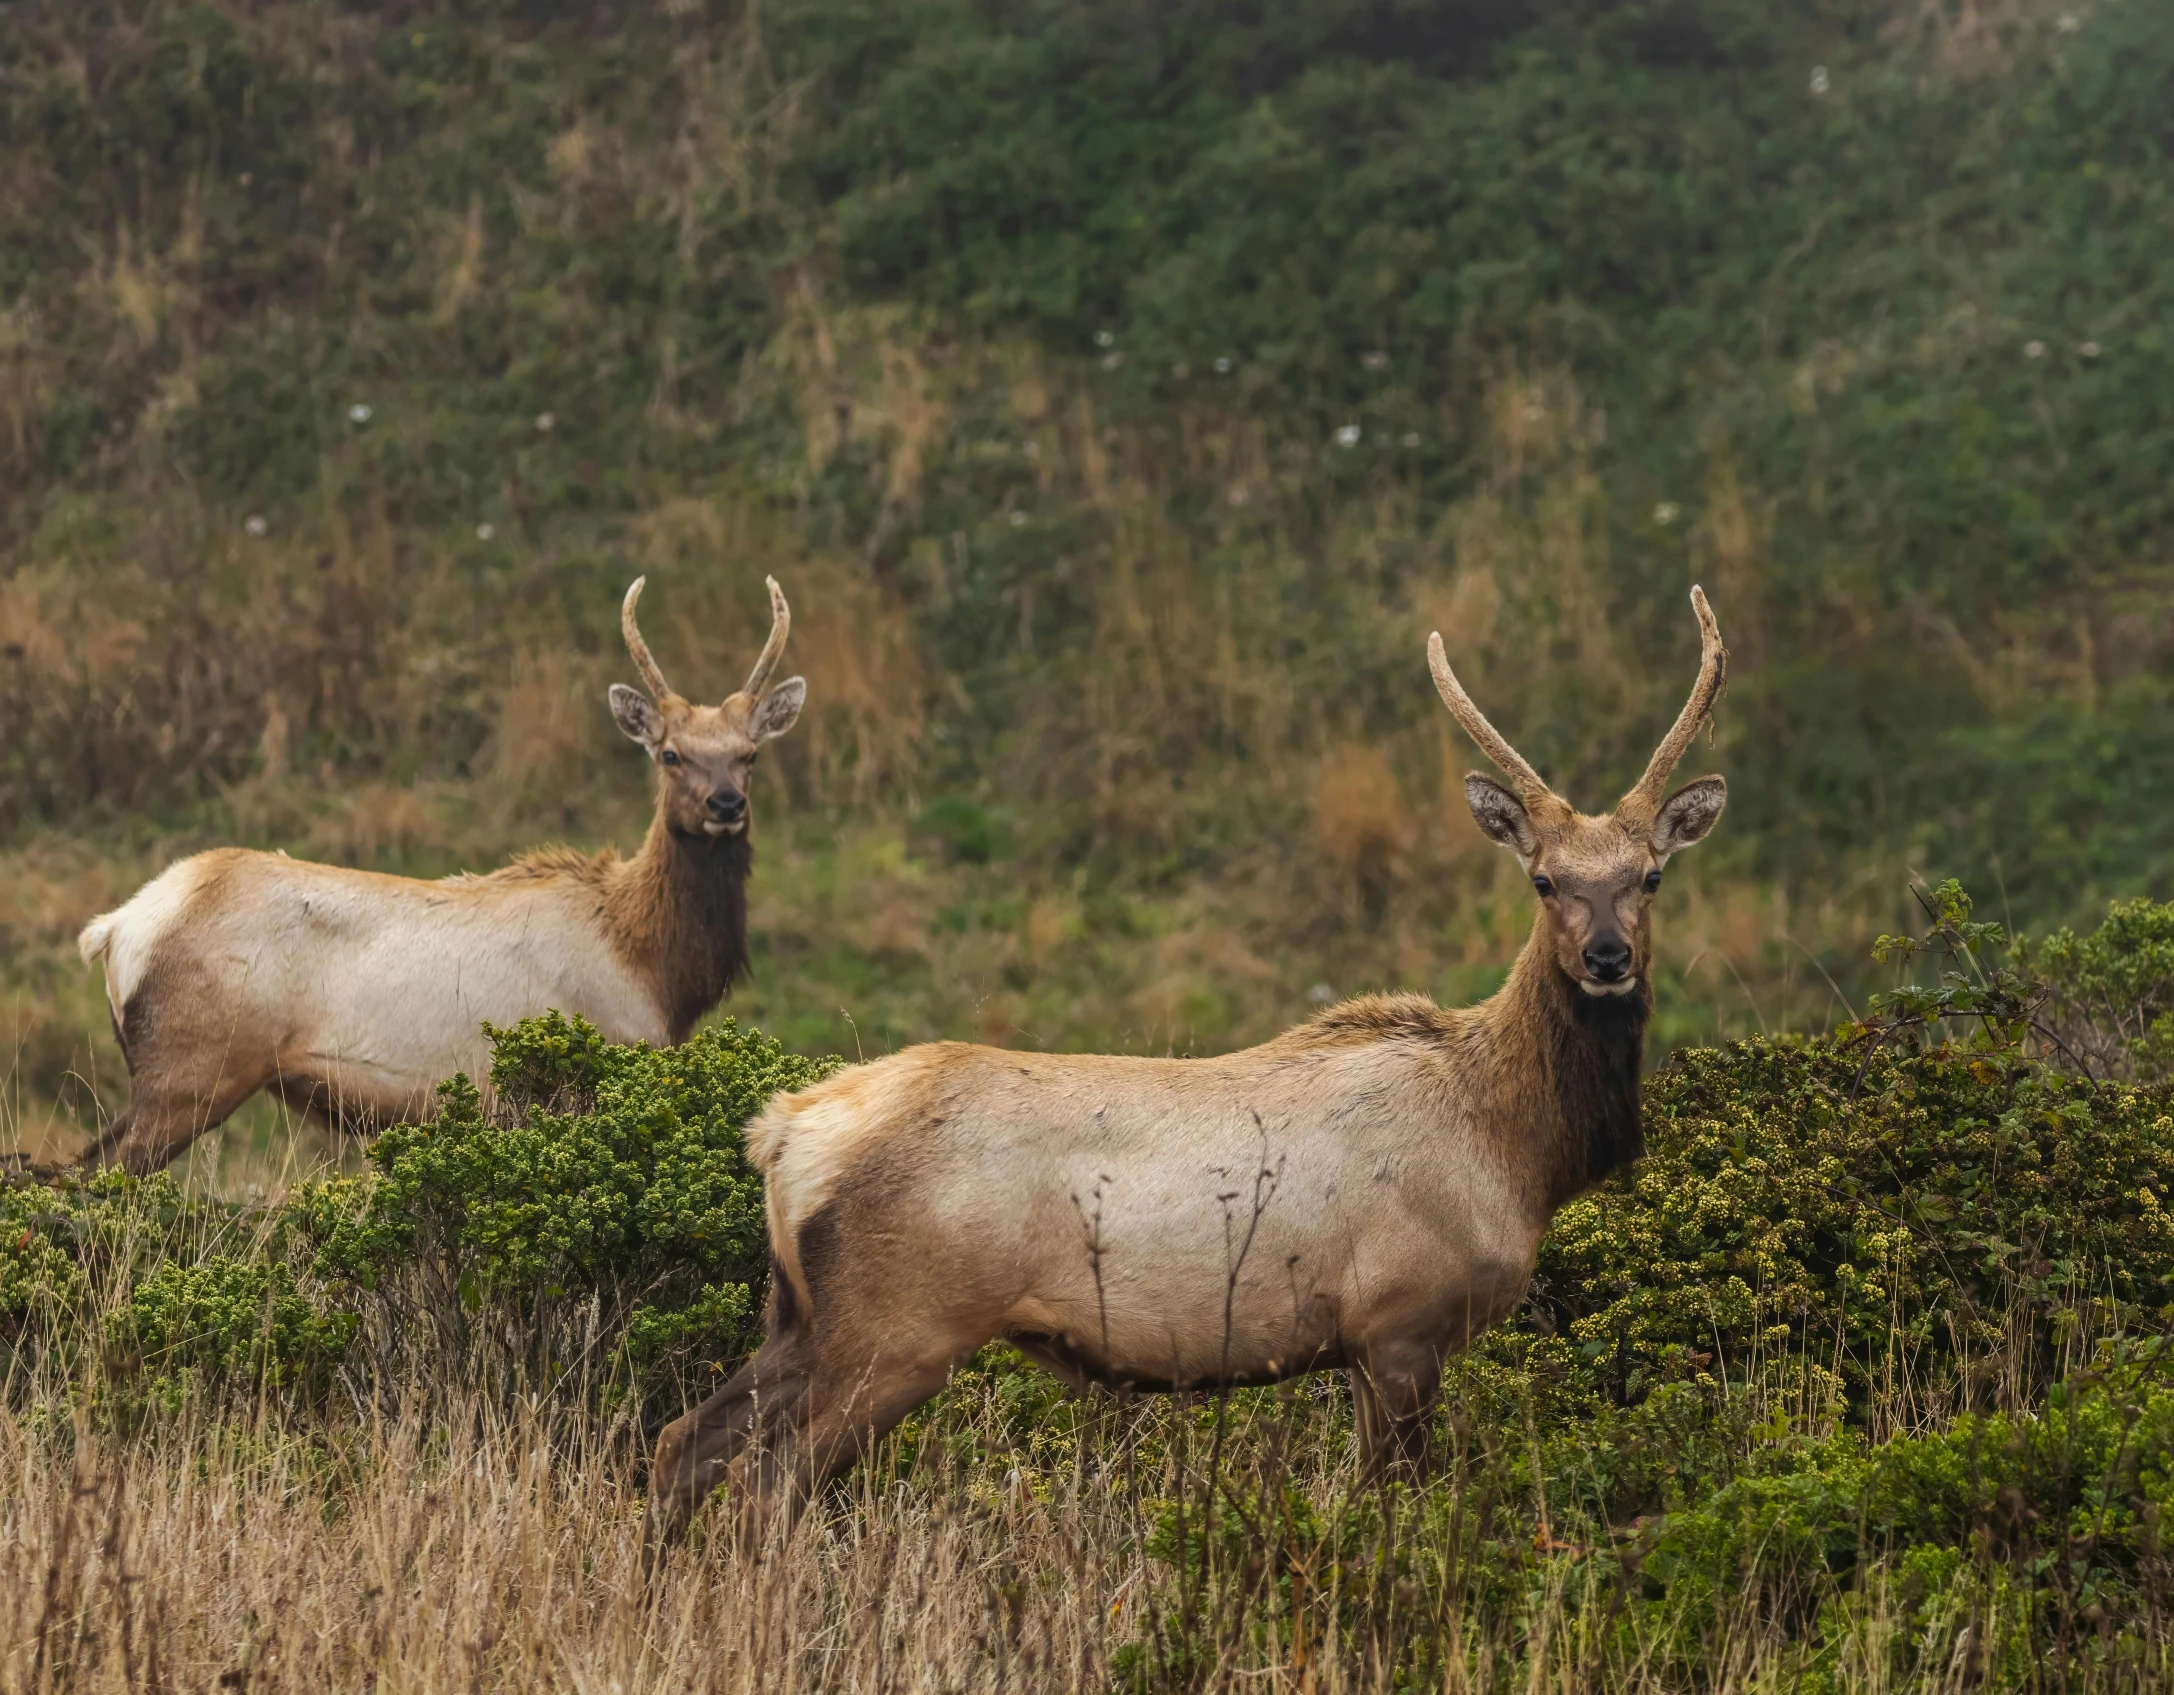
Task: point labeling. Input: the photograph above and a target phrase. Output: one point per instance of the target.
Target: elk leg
(1391, 1403)
(163, 1118)
(695, 1450)
(777, 1432)
(838, 1424)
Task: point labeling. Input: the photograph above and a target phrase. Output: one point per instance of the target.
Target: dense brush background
(1121, 392)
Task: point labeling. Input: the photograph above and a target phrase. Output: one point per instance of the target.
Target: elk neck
(679, 912)
(1565, 1072)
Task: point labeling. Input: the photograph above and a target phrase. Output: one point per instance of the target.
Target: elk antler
(1644, 800)
(781, 620)
(652, 678)
(1536, 795)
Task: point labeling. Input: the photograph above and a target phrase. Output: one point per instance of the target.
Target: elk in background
(1367, 1191)
(352, 994)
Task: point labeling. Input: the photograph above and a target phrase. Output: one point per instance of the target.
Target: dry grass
(485, 1549)
(468, 1543)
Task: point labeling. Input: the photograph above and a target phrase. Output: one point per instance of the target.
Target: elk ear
(780, 709)
(637, 717)
(1688, 814)
(1501, 815)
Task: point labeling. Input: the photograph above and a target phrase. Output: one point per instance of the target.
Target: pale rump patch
(803, 1142)
(126, 938)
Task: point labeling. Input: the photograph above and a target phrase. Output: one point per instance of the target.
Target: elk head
(705, 754)
(1596, 877)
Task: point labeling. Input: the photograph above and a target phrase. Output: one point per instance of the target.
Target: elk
(351, 994)
(1365, 1192)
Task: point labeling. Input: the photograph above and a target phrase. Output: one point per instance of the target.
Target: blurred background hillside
(1121, 391)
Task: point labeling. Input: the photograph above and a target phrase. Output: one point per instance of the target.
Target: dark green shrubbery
(1921, 1218)
(225, 1320)
(604, 1210)
(164, 1291)
(608, 1189)
(1923, 1202)
(2113, 990)
(1670, 1523)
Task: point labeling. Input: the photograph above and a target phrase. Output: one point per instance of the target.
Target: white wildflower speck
(2090, 350)
(2034, 350)
(254, 523)
(1103, 338)
(1666, 512)
(1819, 79)
(1110, 361)
(1239, 494)
(546, 422)
(1018, 519)
(1535, 409)
(1348, 436)
(1222, 366)
(1321, 994)
(2068, 23)
(1033, 450)
(359, 413)
(1376, 361)
(484, 532)
(1411, 438)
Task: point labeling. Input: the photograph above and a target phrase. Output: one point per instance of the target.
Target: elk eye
(1653, 882)
(1544, 885)
(667, 757)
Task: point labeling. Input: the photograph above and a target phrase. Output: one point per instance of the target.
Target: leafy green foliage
(1893, 1217)
(1996, 1005)
(163, 1290)
(233, 1320)
(605, 1173)
(2113, 990)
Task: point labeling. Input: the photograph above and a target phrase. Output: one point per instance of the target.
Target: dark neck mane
(1568, 1063)
(679, 913)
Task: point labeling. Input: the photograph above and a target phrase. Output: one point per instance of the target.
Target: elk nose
(1608, 959)
(728, 806)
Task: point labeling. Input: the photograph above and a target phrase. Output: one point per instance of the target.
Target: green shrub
(2065, 1505)
(1893, 1214)
(39, 1278)
(1925, 1203)
(229, 1321)
(607, 1179)
(2113, 990)
(160, 1290)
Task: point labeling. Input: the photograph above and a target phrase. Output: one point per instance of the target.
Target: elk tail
(97, 937)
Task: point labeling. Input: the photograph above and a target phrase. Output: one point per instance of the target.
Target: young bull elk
(352, 994)
(1367, 1191)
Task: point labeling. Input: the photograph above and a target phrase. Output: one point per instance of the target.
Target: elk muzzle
(1607, 966)
(727, 809)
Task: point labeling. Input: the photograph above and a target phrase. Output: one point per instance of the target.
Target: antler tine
(638, 650)
(781, 621)
(1530, 789)
(1713, 667)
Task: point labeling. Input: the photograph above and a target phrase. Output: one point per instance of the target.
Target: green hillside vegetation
(1121, 393)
